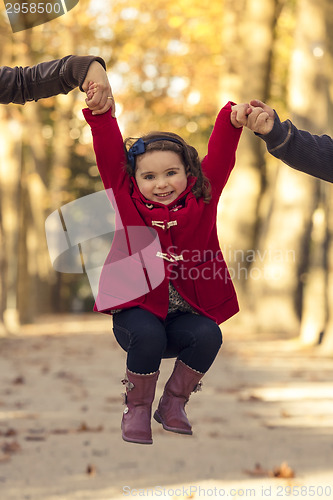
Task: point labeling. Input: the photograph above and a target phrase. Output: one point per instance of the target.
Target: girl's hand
(100, 101)
(239, 114)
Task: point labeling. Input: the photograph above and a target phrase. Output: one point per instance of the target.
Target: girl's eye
(148, 177)
(171, 172)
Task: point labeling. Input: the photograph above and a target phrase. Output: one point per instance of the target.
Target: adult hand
(100, 98)
(261, 119)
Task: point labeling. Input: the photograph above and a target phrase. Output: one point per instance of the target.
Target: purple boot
(171, 409)
(140, 393)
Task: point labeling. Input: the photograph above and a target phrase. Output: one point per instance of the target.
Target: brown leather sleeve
(19, 85)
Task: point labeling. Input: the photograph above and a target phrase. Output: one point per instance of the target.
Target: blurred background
(172, 65)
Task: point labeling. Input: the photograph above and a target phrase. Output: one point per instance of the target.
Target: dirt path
(263, 404)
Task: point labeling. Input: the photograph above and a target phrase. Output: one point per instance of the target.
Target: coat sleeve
(19, 85)
(222, 145)
(109, 149)
(312, 154)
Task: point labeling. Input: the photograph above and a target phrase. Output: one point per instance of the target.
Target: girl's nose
(161, 183)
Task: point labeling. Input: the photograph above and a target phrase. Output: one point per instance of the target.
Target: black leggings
(193, 339)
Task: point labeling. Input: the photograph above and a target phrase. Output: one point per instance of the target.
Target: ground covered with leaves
(263, 423)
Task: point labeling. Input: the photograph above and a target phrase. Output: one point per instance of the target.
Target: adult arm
(19, 85)
(312, 154)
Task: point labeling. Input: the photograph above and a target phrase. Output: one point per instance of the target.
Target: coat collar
(137, 195)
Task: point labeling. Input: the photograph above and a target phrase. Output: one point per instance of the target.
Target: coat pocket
(120, 282)
(212, 284)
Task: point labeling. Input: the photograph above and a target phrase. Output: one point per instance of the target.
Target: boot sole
(158, 419)
(136, 441)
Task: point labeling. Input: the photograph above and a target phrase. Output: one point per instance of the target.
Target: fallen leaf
(4, 458)
(71, 377)
(19, 380)
(214, 435)
(112, 399)
(214, 420)
(258, 471)
(8, 433)
(20, 404)
(91, 470)
(250, 398)
(35, 438)
(85, 428)
(12, 447)
(283, 471)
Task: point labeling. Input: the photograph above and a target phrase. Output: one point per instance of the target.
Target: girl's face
(160, 176)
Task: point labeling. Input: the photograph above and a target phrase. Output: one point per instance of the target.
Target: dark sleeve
(312, 154)
(19, 85)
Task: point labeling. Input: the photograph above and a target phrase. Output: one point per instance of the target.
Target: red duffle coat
(186, 228)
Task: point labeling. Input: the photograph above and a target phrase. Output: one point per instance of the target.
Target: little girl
(158, 181)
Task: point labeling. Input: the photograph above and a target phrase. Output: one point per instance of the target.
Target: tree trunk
(2, 276)
(34, 266)
(327, 344)
(309, 92)
(10, 178)
(292, 290)
(248, 39)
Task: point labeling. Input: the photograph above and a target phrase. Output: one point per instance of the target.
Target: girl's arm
(222, 146)
(19, 85)
(109, 150)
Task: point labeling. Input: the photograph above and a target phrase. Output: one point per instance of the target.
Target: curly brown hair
(187, 153)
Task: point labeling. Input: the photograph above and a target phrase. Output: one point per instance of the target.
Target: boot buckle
(129, 386)
(198, 387)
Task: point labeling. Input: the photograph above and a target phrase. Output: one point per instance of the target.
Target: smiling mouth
(164, 195)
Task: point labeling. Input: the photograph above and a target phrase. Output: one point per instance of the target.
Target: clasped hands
(256, 116)
(98, 89)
